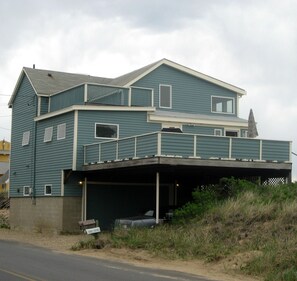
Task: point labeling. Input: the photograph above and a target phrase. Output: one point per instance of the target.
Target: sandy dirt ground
(223, 271)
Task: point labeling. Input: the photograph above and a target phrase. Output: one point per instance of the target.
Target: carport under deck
(166, 167)
(161, 182)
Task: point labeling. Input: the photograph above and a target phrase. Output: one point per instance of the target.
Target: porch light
(80, 182)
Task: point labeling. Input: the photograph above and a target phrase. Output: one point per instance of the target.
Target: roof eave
(192, 72)
(16, 88)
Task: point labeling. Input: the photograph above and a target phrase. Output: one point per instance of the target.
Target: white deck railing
(187, 146)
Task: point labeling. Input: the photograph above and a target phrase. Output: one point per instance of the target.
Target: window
(231, 133)
(218, 132)
(174, 128)
(48, 189)
(244, 133)
(26, 190)
(48, 134)
(26, 138)
(61, 131)
(108, 131)
(222, 105)
(165, 93)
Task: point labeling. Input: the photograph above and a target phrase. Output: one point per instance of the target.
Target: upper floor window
(26, 138)
(48, 134)
(61, 131)
(244, 134)
(222, 105)
(165, 96)
(108, 131)
(218, 132)
(231, 133)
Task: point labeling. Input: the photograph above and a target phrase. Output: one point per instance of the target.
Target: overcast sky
(251, 44)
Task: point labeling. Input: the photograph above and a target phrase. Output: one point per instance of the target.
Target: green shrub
(203, 200)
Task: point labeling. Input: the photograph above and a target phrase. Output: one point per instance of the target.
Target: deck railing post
(159, 143)
(135, 147)
(230, 148)
(152, 98)
(99, 152)
(195, 146)
(85, 151)
(260, 150)
(129, 96)
(117, 150)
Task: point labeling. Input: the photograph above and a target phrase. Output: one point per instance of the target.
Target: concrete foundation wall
(45, 214)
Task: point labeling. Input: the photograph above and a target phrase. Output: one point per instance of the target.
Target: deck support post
(84, 201)
(157, 196)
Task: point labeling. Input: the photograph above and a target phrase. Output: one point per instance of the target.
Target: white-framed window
(165, 96)
(231, 133)
(48, 189)
(48, 134)
(222, 105)
(26, 138)
(61, 131)
(106, 131)
(171, 127)
(244, 134)
(218, 132)
(26, 190)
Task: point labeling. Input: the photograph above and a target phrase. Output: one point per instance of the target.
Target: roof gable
(146, 70)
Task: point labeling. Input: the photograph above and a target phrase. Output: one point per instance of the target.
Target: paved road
(25, 262)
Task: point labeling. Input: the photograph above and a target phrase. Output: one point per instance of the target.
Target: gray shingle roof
(47, 82)
(126, 78)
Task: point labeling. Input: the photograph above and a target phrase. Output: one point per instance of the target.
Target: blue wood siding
(54, 156)
(44, 104)
(189, 94)
(141, 97)
(279, 150)
(245, 148)
(74, 96)
(107, 95)
(130, 124)
(21, 160)
(185, 145)
(208, 147)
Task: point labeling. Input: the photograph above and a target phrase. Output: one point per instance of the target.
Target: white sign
(93, 230)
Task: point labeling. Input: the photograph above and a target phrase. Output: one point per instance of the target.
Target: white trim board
(90, 108)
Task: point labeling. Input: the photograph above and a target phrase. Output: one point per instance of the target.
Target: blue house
(91, 147)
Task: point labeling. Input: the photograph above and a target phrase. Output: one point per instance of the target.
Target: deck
(167, 148)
